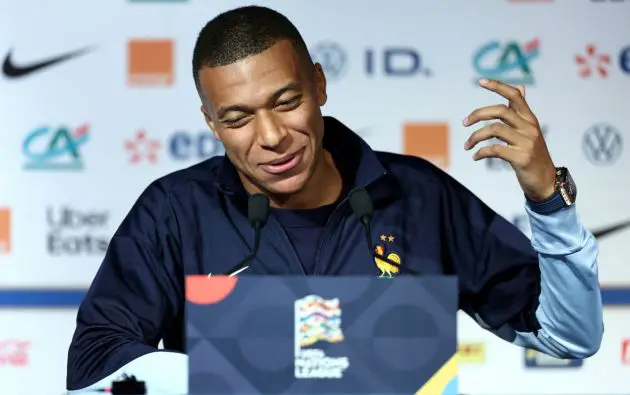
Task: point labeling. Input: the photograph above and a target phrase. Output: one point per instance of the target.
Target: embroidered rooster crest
(387, 269)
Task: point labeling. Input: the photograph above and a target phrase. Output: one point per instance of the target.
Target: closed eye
(235, 122)
(293, 102)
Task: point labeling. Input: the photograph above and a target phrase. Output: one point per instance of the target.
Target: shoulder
(411, 170)
(161, 198)
(422, 181)
(205, 174)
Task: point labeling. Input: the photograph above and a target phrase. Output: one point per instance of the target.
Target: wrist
(563, 196)
(542, 196)
(549, 205)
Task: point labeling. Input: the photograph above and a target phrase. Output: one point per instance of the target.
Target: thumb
(521, 88)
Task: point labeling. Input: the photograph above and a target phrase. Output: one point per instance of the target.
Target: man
(261, 95)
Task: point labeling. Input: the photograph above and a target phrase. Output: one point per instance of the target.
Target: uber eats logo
(76, 232)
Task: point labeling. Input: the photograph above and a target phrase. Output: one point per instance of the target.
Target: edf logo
(202, 145)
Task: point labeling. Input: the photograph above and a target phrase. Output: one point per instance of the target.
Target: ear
(320, 84)
(210, 123)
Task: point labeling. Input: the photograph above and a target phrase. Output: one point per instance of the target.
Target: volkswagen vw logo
(602, 144)
(332, 57)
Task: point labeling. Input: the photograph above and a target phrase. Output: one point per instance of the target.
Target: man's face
(265, 109)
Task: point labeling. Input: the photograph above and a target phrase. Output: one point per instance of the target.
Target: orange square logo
(5, 231)
(150, 62)
(428, 141)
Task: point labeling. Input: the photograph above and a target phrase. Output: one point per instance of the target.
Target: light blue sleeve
(163, 372)
(570, 310)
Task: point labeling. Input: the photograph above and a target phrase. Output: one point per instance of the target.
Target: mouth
(283, 164)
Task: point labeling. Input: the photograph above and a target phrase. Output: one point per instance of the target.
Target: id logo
(317, 320)
(536, 359)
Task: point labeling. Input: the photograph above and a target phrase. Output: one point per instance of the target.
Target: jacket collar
(356, 161)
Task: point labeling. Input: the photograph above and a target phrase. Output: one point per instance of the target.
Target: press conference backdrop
(82, 137)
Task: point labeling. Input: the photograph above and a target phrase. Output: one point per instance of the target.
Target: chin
(288, 186)
(294, 181)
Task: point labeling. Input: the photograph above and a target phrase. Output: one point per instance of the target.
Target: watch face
(571, 185)
(568, 187)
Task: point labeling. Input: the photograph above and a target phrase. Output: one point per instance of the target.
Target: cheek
(236, 143)
(306, 119)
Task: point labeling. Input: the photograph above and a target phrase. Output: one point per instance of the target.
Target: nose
(270, 133)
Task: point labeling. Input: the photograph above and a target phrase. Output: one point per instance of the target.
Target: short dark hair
(241, 32)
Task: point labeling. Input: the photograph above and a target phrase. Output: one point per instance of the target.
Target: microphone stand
(245, 262)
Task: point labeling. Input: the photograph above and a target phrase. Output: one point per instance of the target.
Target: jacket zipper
(326, 235)
(327, 232)
(296, 258)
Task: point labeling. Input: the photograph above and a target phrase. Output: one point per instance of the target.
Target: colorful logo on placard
(317, 320)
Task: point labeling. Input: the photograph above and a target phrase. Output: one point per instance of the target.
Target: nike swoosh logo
(11, 70)
(611, 229)
(236, 272)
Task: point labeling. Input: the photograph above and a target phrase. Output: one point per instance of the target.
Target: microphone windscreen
(258, 209)
(361, 203)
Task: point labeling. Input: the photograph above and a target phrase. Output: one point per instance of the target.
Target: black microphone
(363, 209)
(257, 213)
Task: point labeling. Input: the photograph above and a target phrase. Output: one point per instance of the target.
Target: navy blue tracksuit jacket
(194, 221)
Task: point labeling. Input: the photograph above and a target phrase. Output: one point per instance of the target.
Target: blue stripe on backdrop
(41, 298)
(617, 296)
(59, 298)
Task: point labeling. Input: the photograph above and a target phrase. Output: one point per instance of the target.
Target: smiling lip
(287, 163)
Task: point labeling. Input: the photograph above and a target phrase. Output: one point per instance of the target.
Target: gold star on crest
(386, 237)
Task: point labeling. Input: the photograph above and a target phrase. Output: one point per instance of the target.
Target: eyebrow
(291, 86)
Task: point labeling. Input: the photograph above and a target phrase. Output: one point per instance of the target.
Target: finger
(505, 152)
(498, 111)
(521, 88)
(512, 94)
(498, 130)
